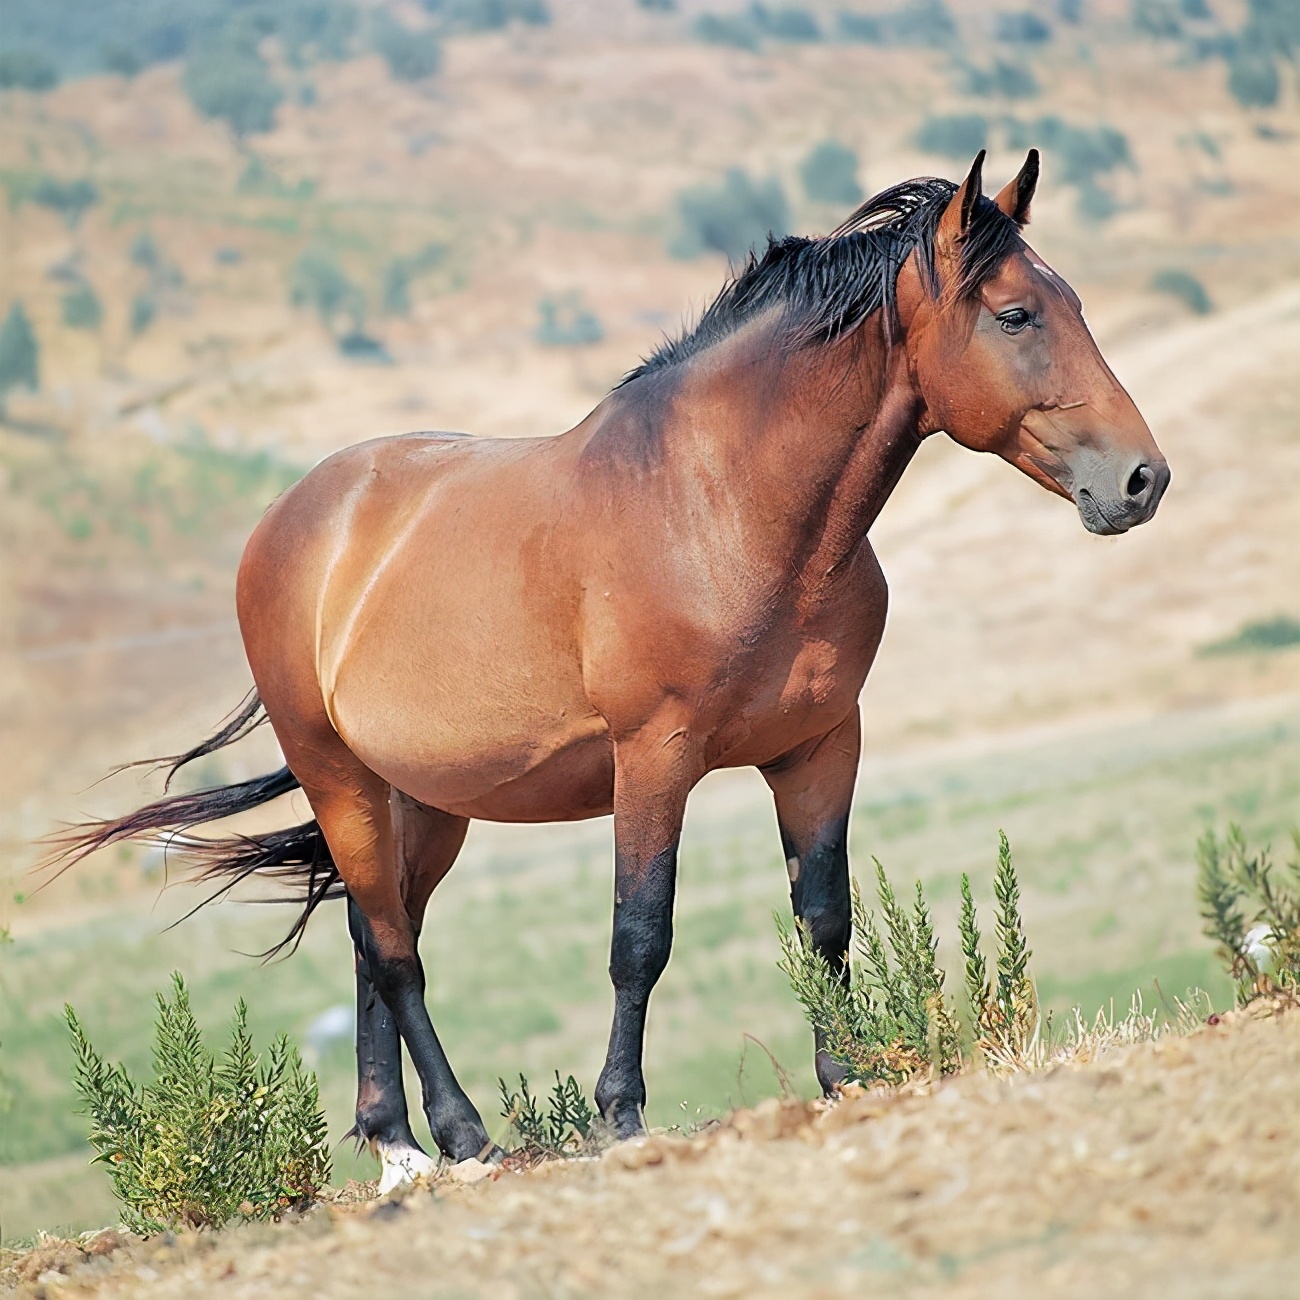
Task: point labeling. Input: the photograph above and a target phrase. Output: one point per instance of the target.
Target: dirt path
(1167, 1170)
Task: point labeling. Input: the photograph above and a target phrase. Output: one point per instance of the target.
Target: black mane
(828, 286)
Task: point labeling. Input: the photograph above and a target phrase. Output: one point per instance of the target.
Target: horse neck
(815, 441)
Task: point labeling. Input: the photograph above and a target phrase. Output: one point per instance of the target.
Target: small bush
(1184, 286)
(731, 217)
(357, 345)
(1252, 912)
(1023, 29)
(735, 30)
(144, 309)
(319, 282)
(1253, 638)
(658, 6)
(226, 78)
(1157, 18)
(203, 1141)
(1009, 80)
(123, 60)
(889, 1018)
(81, 308)
(27, 70)
(865, 29)
(410, 55)
(1253, 79)
(489, 15)
(401, 271)
(830, 174)
(566, 1128)
(20, 354)
(958, 135)
(566, 322)
(785, 24)
(68, 198)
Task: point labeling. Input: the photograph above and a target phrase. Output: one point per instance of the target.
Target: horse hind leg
(426, 843)
(356, 814)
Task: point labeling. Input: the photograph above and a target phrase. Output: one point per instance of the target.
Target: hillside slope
(1168, 1170)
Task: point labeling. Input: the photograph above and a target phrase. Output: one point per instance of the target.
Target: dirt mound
(1169, 1169)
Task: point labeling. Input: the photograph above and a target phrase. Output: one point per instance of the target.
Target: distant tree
(69, 198)
(954, 135)
(830, 174)
(1158, 18)
(1184, 286)
(735, 30)
(1009, 80)
(489, 15)
(27, 70)
(401, 271)
(1023, 29)
(658, 6)
(785, 24)
(864, 28)
(20, 354)
(143, 310)
(565, 321)
(227, 77)
(81, 308)
(1253, 79)
(410, 55)
(123, 60)
(319, 282)
(731, 217)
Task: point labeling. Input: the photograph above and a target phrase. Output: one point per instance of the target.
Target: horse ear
(956, 218)
(1017, 195)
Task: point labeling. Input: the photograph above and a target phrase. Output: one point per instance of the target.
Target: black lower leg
(382, 1115)
(643, 937)
(455, 1124)
(819, 894)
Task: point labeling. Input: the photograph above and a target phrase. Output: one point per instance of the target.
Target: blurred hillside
(239, 235)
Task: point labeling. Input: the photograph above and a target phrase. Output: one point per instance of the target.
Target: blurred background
(239, 234)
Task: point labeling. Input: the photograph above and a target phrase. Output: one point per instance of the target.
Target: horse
(442, 628)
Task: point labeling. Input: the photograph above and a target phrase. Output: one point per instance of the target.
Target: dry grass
(1167, 1169)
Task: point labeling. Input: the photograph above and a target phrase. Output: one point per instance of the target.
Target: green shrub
(785, 24)
(916, 23)
(144, 308)
(1157, 18)
(658, 6)
(20, 354)
(566, 1128)
(81, 308)
(27, 70)
(123, 60)
(1009, 80)
(730, 217)
(1023, 29)
(830, 174)
(226, 78)
(1184, 286)
(410, 55)
(203, 1141)
(1253, 79)
(398, 275)
(489, 15)
(735, 30)
(890, 1019)
(1252, 912)
(1265, 635)
(956, 135)
(565, 321)
(68, 198)
(319, 282)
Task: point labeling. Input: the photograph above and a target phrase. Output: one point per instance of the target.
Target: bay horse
(443, 628)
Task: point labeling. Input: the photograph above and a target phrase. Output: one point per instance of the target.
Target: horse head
(1005, 363)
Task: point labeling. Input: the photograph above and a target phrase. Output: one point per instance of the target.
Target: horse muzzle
(1110, 504)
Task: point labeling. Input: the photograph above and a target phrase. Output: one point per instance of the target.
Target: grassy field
(1103, 822)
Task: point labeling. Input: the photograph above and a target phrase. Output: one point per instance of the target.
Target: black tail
(297, 855)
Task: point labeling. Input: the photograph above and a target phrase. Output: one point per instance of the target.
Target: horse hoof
(402, 1165)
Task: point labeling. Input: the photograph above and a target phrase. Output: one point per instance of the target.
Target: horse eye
(1015, 320)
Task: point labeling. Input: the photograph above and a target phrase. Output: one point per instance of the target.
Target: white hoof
(402, 1165)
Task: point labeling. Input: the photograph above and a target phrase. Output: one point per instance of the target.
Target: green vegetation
(319, 282)
(69, 199)
(918, 22)
(731, 217)
(566, 1128)
(26, 70)
(202, 1142)
(954, 135)
(1251, 912)
(1080, 155)
(410, 55)
(890, 1019)
(1184, 286)
(488, 15)
(401, 272)
(1259, 637)
(227, 78)
(20, 355)
(566, 321)
(1023, 28)
(829, 173)
(1007, 80)
(81, 308)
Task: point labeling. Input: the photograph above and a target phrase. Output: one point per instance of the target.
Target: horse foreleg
(651, 780)
(813, 790)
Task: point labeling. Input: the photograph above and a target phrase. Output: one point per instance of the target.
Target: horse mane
(827, 286)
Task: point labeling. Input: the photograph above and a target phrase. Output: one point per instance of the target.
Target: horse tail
(297, 856)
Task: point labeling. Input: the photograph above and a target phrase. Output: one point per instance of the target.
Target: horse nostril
(1139, 480)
